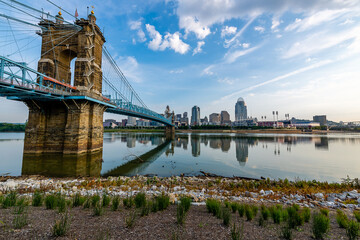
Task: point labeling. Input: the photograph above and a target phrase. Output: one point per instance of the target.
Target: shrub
(265, 213)
(234, 207)
(162, 202)
(98, 209)
(353, 230)
(130, 220)
(186, 203)
(87, 203)
(153, 206)
(324, 211)
(94, 200)
(20, 220)
(128, 202)
(180, 214)
(286, 232)
(241, 210)
(115, 203)
(226, 216)
(306, 214)
(37, 199)
(50, 201)
(9, 200)
(255, 209)
(146, 209)
(276, 214)
(261, 221)
(357, 215)
(105, 200)
(227, 204)
(140, 200)
(342, 219)
(320, 225)
(62, 225)
(295, 219)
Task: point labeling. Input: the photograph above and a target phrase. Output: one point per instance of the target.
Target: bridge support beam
(71, 127)
(170, 132)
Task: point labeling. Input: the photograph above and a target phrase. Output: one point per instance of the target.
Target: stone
(319, 195)
(262, 192)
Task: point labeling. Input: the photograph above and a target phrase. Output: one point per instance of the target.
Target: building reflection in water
(60, 165)
(195, 145)
(242, 150)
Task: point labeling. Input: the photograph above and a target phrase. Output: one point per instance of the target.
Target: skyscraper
(195, 115)
(240, 110)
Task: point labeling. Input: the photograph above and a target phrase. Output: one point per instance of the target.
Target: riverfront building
(225, 118)
(195, 116)
(240, 110)
(320, 119)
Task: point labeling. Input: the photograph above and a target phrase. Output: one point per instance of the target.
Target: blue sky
(296, 57)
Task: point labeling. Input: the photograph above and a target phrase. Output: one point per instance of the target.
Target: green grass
(37, 199)
(237, 232)
(306, 214)
(130, 220)
(128, 202)
(353, 230)
(324, 211)
(162, 202)
(185, 202)
(61, 226)
(9, 200)
(115, 203)
(180, 214)
(342, 219)
(106, 200)
(146, 209)
(265, 212)
(61, 203)
(234, 206)
(98, 209)
(213, 206)
(226, 216)
(20, 220)
(320, 225)
(295, 218)
(286, 232)
(249, 213)
(95, 199)
(140, 200)
(87, 203)
(78, 200)
(357, 215)
(241, 210)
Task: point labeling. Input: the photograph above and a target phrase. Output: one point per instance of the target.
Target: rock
(270, 192)
(330, 198)
(247, 194)
(358, 200)
(253, 195)
(262, 192)
(172, 197)
(319, 195)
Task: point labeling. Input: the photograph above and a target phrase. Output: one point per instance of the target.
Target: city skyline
(292, 57)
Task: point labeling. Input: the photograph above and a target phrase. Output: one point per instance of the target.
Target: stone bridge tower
(69, 126)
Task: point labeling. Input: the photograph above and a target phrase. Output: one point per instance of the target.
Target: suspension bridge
(69, 86)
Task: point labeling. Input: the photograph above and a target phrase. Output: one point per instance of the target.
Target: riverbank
(86, 208)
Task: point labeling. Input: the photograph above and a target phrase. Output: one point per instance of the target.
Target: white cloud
(198, 16)
(136, 25)
(274, 24)
(232, 56)
(198, 47)
(207, 70)
(246, 45)
(178, 71)
(259, 29)
(315, 19)
(172, 41)
(228, 31)
(226, 80)
(323, 40)
(234, 40)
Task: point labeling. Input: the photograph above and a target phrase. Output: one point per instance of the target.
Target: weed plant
(342, 219)
(357, 215)
(95, 199)
(295, 218)
(237, 232)
(37, 199)
(78, 200)
(306, 214)
(61, 204)
(180, 214)
(87, 203)
(62, 225)
(320, 225)
(115, 203)
(226, 216)
(98, 209)
(162, 202)
(261, 221)
(9, 200)
(20, 220)
(146, 209)
(185, 202)
(241, 210)
(51, 201)
(140, 200)
(353, 230)
(130, 220)
(286, 232)
(106, 200)
(153, 206)
(213, 206)
(249, 213)
(234, 207)
(324, 211)
(276, 214)
(265, 212)
(128, 202)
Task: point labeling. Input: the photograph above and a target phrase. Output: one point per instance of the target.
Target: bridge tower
(69, 126)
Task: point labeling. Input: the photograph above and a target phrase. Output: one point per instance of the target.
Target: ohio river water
(297, 156)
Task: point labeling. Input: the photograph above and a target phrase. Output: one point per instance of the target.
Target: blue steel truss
(21, 83)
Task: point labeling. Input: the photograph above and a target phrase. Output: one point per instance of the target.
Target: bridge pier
(170, 132)
(68, 127)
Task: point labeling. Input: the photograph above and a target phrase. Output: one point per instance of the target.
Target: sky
(296, 57)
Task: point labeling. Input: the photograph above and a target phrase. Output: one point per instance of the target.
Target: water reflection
(59, 165)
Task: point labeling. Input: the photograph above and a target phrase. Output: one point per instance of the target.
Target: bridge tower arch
(68, 126)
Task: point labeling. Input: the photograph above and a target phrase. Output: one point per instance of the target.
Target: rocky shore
(304, 193)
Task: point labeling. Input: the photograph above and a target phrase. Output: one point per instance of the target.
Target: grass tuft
(128, 202)
(180, 214)
(62, 225)
(226, 216)
(357, 215)
(51, 201)
(115, 203)
(98, 209)
(9, 200)
(140, 200)
(185, 202)
(37, 199)
(320, 225)
(342, 219)
(353, 230)
(130, 220)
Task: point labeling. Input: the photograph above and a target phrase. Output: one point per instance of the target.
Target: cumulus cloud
(228, 31)
(198, 16)
(198, 47)
(259, 29)
(172, 41)
(136, 25)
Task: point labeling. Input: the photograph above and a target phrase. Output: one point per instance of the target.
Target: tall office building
(195, 115)
(320, 119)
(225, 118)
(214, 118)
(240, 110)
(131, 121)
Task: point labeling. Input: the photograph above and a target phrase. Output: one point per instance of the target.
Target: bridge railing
(17, 73)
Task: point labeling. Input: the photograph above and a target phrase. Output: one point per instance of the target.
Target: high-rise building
(214, 118)
(320, 119)
(225, 118)
(195, 115)
(240, 110)
(131, 121)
